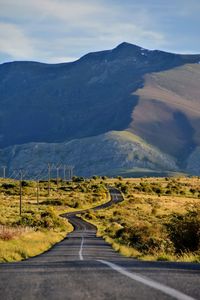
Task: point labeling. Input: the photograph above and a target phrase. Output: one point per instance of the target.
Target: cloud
(52, 30)
(64, 10)
(14, 42)
(60, 59)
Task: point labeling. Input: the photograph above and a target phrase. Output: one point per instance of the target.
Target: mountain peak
(122, 50)
(127, 45)
(127, 49)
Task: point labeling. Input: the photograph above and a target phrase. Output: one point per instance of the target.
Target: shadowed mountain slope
(153, 94)
(93, 95)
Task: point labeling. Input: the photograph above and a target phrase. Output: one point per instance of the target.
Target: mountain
(118, 109)
(93, 155)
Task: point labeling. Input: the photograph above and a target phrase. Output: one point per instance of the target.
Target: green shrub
(184, 231)
(77, 179)
(193, 191)
(7, 186)
(26, 183)
(141, 238)
(45, 219)
(56, 202)
(10, 188)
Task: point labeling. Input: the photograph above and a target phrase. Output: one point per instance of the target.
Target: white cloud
(60, 59)
(14, 42)
(65, 10)
(56, 30)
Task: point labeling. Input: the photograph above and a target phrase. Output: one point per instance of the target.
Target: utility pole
(49, 177)
(20, 192)
(4, 171)
(57, 175)
(71, 172)
(38, 191)
(64, 172)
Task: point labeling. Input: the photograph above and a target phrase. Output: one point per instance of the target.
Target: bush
(26, 183)
(77, 179)
(193, 191)
(124, 189)
(157, 190)
(7, 186)
(56, 202)
(45, 219)
(184, 231)
(143, 239)
(10, 188)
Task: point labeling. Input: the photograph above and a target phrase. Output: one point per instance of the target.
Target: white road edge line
(147, 281)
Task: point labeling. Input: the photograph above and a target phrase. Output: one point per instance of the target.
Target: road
(83, 266)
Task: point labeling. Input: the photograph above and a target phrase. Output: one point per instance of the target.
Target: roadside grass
(29, 244)
(152, 224)
(40, 226)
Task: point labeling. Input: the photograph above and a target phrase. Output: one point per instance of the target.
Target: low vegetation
(158, 220)
(39, 226)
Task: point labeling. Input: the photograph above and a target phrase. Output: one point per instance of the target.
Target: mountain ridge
(89, 156)
(122, 46)
(126, 88)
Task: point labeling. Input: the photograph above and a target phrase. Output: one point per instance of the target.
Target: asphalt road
(83, 266)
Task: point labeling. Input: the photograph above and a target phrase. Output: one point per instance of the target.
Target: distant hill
(102, 154)
(95, 112)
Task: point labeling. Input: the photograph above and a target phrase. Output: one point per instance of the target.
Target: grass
(29, 244)
(159, 219)
(40, 226)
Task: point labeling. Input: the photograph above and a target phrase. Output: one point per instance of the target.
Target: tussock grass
(40, 226)
(28, 245)
(9, 233)
(152, 224)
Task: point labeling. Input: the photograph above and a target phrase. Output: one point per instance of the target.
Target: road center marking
(81, 249)
(147, 281)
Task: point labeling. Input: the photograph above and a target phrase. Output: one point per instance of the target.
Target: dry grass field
(40, 226)
(158, 220)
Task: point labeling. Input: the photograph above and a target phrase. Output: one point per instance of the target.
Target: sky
(55, 31)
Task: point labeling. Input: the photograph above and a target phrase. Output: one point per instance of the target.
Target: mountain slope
(104, 154)
(168, 111)
(69, 112)
(54, 103)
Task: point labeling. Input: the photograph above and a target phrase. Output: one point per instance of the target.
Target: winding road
(84, 266)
